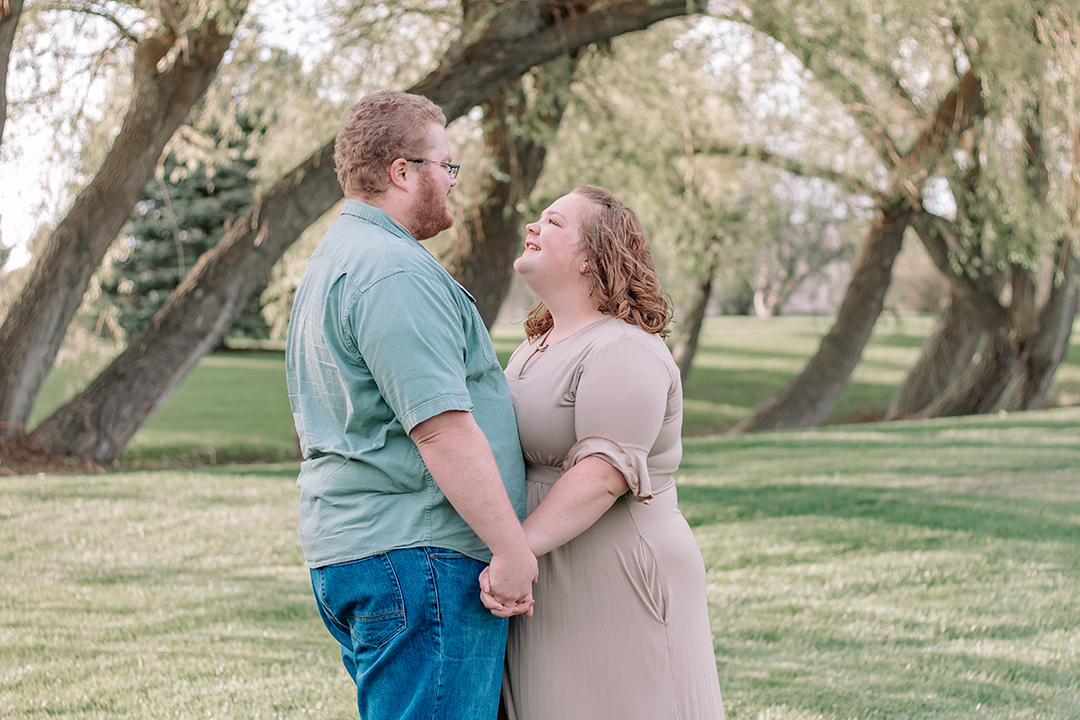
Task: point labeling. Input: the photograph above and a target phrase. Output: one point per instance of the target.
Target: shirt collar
(378, 217)
(375, 216)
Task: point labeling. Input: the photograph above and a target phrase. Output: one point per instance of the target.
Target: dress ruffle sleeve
(620, 401)
(632, 462)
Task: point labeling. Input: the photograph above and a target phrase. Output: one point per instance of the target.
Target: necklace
(543, 346)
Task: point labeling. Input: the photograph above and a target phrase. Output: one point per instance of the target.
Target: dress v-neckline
(541, 348)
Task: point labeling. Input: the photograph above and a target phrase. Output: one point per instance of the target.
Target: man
(412, 477)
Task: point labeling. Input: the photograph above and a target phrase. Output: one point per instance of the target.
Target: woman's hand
(521, 607)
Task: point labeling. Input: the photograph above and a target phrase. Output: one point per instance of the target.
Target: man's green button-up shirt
(381, 338)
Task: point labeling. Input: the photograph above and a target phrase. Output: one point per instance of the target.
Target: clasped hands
(506, 587)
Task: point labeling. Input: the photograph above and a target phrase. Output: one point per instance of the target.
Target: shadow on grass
(821, 444)
(903, 668)
(755, 353)
(955, 513)
(734, 387)
(750, 387)
(185, 455)
(899, 340)
(287, 471)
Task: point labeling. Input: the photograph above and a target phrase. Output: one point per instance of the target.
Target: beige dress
(621, 623)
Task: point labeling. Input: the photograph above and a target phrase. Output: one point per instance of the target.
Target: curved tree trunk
(100, 421)
(10, 10)
(981, 386)
(686, 344)
(1046, 349)
(35, 325)
(482, 258)
(807, 400)
(809, 397)
(946, 353)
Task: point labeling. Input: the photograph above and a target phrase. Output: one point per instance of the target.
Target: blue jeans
(414, 635)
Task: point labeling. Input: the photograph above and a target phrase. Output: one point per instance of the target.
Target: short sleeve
(409, 332)
(619, 408)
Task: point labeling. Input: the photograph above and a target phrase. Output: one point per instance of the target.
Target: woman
(620, 627)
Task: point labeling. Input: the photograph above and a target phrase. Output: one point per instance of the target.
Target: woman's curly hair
(620, 268)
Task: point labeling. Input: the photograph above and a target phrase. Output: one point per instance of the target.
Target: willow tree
(173, 62)
(1008, 250)
(913, 94)
(998, 68)
(643, 86)
(518, 126)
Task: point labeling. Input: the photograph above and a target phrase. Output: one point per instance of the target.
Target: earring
(585, 268)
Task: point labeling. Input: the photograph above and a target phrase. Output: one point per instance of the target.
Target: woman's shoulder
(613, 333)
(612, 329)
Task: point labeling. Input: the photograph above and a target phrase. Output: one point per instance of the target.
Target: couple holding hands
(422, 457)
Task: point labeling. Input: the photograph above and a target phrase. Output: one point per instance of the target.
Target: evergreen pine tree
(172, 225)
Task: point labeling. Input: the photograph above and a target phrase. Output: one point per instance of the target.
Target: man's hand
(506, 604)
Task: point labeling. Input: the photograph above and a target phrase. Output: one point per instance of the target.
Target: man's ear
(399, 176)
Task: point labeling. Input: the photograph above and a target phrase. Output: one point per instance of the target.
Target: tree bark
(35, 325)
(10, 10)
(686, 344)
(980, 294)
(808, 398)
(100, 421)
(981, 386)
(482, 257)
(946, 353)
(1045, 350)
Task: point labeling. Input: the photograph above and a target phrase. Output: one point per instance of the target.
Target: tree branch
(980, 294)
(853, 184)
(10, 12)
(848, 91)
(88, 9)
(956, 114)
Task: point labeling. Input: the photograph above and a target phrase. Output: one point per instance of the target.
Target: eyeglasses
(450, 167)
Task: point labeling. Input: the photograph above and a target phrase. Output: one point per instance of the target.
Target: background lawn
(233, 407)
(887, 570)
(905, 570)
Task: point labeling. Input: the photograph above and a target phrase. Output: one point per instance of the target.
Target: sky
(26, 168)
(20, 190)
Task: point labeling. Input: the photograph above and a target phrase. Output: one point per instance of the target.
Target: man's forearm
(460, 460)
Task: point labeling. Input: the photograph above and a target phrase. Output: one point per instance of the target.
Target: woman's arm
(575, 502)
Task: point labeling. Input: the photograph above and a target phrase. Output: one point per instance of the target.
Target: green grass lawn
(234, 406)
(743, 361)
(904, 570)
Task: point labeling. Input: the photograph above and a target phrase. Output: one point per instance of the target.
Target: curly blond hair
(378, 130)
(620, 268)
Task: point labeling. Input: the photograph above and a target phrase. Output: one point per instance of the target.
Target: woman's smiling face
(553, 252)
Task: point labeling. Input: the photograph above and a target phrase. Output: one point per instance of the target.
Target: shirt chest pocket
(477, 339)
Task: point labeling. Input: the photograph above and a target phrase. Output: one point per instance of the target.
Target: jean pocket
(364, 596)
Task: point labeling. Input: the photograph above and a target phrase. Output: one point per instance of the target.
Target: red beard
(430, 216)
